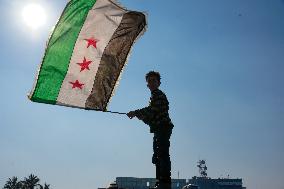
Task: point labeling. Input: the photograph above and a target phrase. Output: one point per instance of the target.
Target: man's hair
(154, 74)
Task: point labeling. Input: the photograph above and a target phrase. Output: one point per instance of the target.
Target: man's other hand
(131, 114)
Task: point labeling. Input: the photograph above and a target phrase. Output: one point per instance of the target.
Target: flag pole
(122, 113)
(115, 112)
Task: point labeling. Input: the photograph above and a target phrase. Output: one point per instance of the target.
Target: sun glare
(34, 15)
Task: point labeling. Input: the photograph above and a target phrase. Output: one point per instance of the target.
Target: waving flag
(86, 54)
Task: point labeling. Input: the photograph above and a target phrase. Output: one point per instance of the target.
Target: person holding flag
(157, 117)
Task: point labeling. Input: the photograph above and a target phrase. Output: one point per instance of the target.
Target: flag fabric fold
(86, 53)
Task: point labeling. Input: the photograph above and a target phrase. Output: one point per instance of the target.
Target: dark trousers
(161, 158)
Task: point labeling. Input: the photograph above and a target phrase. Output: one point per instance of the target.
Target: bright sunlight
(34, 16)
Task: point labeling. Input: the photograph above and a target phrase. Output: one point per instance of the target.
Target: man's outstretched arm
(158, 105)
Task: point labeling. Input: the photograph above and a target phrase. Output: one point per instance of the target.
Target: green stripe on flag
(59, 51)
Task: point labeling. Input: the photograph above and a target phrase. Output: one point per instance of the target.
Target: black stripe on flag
(114, 58)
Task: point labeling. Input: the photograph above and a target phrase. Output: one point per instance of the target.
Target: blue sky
(222, 66)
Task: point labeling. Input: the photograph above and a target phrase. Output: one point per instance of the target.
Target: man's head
(153, 80)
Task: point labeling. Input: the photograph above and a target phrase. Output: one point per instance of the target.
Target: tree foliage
(30, 182)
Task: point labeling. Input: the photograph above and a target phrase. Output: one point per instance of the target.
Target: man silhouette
(157, 117)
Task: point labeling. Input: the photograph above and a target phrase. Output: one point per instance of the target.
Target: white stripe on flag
(100, 24)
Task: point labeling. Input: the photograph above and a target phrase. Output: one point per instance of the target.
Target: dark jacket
(156, 115)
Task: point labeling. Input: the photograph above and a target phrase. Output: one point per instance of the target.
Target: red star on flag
(85, 64)
(76, 84)
(92, 41)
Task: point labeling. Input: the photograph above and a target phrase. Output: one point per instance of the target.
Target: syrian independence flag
(86, 54)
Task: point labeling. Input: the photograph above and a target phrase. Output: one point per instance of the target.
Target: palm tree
(31, 182)
(13, 184)
(46, 186)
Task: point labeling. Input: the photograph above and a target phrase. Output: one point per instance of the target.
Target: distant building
(208, 183)
(145, 183)
(204, 182)
(199, 182)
